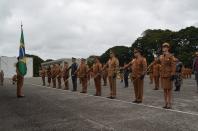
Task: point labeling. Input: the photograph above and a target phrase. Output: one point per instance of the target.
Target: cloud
(79, 28)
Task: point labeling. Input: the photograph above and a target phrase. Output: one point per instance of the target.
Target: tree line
(183, 45)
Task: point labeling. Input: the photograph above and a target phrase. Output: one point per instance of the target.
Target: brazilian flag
(22, 68)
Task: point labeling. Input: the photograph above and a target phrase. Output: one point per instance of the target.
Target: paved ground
(48, 109)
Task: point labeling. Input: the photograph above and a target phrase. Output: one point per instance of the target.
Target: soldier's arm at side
(173, 66)
(144, 64)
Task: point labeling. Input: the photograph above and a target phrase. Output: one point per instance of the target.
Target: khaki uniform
(54, 76)
(168, 68)
(20, 80)
(42, 74)
(66, 77)
(156, 74)
(59, 76)
(97, 67)
(82, 74)
(113, 65)
(49, 76)
(139, 67)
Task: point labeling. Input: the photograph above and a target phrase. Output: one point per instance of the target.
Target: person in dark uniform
(126, 72)
(74, 68)
(121, 75)
(178, 76)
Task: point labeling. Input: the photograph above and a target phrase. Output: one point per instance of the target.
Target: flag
(22, 59)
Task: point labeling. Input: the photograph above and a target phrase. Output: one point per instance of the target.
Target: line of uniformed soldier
(186, 73)
(163, 69)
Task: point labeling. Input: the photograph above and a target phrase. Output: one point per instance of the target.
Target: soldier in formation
(74, 68)
(167, 74)
(59, 75)
(178, 75)
(49, 75)
(54, 75)
(139, 69)
(66, 76)
(82, 72)
(113, 66)
(97, 68)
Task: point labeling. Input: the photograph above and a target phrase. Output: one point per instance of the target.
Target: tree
(123, 53)
(183, 43)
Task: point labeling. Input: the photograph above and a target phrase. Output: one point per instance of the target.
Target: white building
(7, 64)
(60, 61)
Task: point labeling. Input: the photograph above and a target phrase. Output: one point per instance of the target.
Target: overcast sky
(66, 28)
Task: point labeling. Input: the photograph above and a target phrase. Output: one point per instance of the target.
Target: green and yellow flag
(22, 59)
